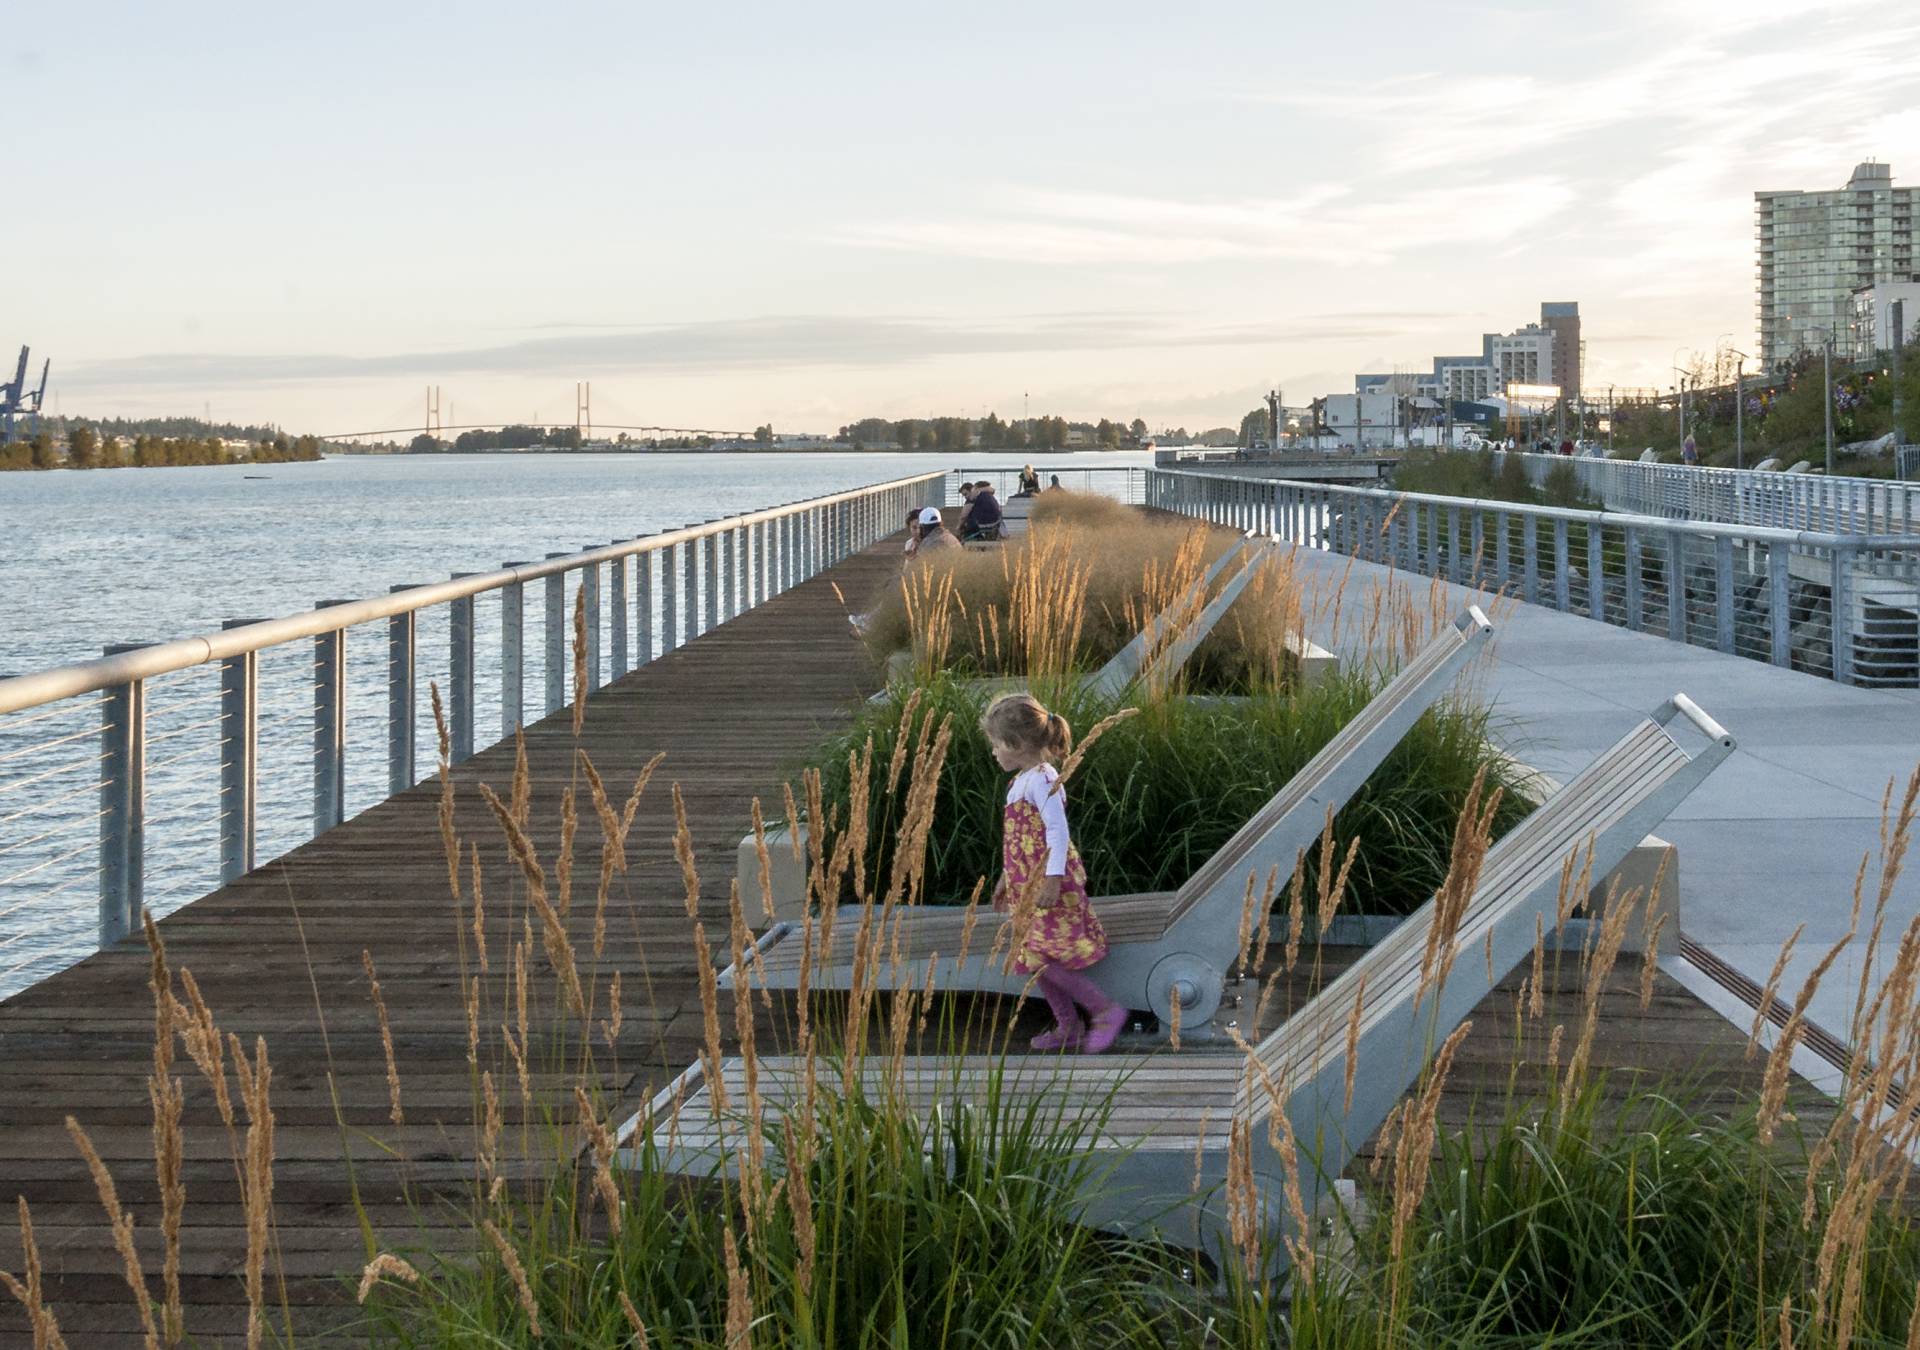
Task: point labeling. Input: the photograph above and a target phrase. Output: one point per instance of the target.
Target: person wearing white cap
(926, 535)
(933, 534)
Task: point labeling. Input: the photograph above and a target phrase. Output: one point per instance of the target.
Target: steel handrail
(33, 690)
(1622, 519)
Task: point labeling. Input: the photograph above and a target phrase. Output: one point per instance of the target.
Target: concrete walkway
(1774, 838)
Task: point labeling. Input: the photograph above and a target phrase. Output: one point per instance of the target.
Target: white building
(1872, 326)
(1366, 420)
(1465, 379)
(1524, 356)
(1815, 249)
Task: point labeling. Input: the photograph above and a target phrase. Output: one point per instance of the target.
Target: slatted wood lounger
(1164, 945)
(1170, 1114)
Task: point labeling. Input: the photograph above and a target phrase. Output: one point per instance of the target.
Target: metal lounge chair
(1164, 946)
(1168, 1117)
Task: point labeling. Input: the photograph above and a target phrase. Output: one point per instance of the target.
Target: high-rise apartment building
(1815, 249)
(1562, 319)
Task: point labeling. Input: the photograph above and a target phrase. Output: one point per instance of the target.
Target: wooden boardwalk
(278, 955)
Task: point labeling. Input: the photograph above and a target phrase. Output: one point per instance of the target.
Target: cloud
(776, 342)
(1322, 224)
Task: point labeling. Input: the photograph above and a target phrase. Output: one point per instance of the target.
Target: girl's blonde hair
(1022, 722)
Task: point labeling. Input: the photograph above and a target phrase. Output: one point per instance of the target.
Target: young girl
(1065, 937)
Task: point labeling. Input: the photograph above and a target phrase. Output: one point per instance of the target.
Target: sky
(724, 215)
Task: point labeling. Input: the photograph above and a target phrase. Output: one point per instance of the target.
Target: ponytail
(1059, 737)
(1020, 720)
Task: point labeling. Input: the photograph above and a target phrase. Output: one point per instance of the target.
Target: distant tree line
(517, 437)
(990, 433)
(87, 448)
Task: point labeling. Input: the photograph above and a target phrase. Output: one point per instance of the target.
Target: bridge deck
(278, 955)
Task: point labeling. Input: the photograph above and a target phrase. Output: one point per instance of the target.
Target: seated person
(1029, 482)
(927, 537)
(982, 520)
(1053, 484)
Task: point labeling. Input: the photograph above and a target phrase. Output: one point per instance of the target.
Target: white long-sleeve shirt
(1036, 786)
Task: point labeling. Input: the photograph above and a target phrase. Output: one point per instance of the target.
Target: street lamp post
(1739, 410)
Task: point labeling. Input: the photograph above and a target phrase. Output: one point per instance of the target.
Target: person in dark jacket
(982, 520)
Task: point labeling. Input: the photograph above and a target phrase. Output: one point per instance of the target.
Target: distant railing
(1755, 591)
(1125, 482)
(1788, 501)
(241, 741)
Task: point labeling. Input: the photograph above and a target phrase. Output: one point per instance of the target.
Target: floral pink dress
(1067, 934)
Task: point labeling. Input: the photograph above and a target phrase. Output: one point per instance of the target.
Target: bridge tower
(434, 425)
(583, 409)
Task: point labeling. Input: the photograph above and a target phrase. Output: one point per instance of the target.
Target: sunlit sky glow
(728, 214)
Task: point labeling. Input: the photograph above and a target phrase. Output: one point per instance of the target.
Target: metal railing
(1125, 482)
(149, 775)
(1759, 592)
(1787, 501)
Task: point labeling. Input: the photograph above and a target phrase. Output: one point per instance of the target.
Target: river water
(142, 555)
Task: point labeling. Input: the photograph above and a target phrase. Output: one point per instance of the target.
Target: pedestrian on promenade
(1689, 452)
(1043, 882)
(913, 531)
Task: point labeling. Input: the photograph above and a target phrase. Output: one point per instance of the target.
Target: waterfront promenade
(1774, 837)
(278, 955)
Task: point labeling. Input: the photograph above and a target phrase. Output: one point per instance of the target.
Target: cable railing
(1124, 482)
(1788, 501)
(159, 771)
(1844, 606)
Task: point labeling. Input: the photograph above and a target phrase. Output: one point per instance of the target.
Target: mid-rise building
(1524, 356)
(1465, 379)
(1562, 319)
(1873, 306)
(1815, 249)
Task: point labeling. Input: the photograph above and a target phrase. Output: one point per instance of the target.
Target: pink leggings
(1063, 988)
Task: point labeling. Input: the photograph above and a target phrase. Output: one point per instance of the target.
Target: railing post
(123, 804)
(460, 698)
(1562, 583)
(1503, 550)
(590, 588)
(1633, 578)
(643, 604)
(1723, 591)
(1596, 571)
(513, 654)
(669, 597)
(690, 558)
(329, 726)
(617, 612)
(1842, 613)
(400, 705)
(1780, 598)
(710, 546)
(1530, 557)
(556, 643)
(1453, 543)
(239, 757)
(757, 569)
(1676, 586)
(1477, 546)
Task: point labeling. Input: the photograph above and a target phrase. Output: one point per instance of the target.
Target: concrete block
(789, 877)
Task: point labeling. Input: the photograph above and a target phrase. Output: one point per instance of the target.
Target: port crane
(15, 396)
